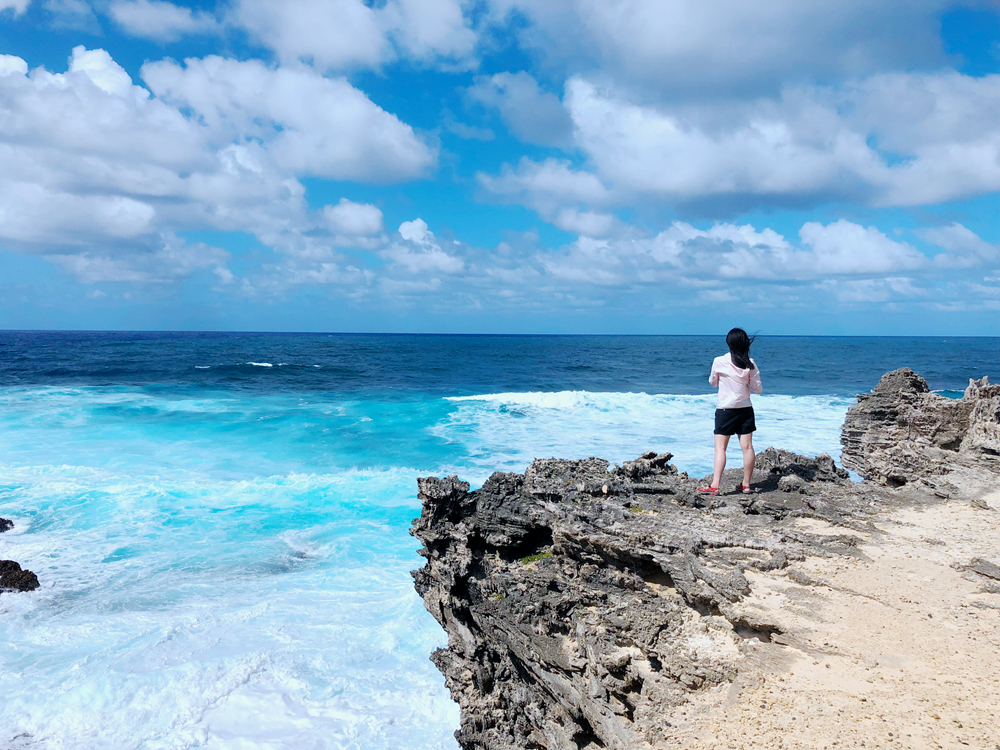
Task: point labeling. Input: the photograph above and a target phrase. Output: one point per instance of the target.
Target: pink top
(734, 382)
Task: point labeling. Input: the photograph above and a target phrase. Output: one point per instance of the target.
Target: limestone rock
(583, 605)
(901, 431)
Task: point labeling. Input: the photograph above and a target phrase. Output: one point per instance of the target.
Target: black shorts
(734, 421)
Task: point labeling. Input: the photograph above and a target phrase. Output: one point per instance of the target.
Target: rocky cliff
(901, 431)
(585, 604)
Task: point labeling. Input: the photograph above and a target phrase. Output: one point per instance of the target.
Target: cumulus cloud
(546, 186)
(33, 214)
(844, 247)
(103, 72)
(682, 253)
(331, 33)
(350, 218)
(311, 124)
(726, 46)
(963, 247)
(873, 290)
(337, 34)
(420, 253)
(161, 21)
(97, 188)
(428, 29)
(354, 224)
(533, 115)
(12, 64)
(170, 260)
(812, 145)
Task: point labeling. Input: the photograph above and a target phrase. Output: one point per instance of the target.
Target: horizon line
(496, 335)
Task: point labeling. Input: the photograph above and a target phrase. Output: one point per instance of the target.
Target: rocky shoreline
(590, 606)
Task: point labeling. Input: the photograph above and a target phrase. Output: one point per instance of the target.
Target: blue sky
(571, 166)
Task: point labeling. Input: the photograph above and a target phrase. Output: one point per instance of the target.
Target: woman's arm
(713, 377)
(755, 385)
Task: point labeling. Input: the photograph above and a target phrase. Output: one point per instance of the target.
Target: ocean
(219, 521)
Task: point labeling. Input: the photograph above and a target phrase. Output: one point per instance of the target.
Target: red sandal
(709, 490)
(745, 489)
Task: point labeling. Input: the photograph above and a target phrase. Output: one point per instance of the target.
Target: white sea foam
(507, 430)
(202, 367)
(260, 364)
(272, 613)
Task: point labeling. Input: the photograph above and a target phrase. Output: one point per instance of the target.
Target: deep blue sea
(220, 521)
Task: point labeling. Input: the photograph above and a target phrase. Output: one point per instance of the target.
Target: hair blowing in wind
(739, 347)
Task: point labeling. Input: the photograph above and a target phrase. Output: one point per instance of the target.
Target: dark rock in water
(901, 431)
(12, 578)
(584, 605)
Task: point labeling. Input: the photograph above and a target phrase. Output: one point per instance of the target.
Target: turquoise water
(225, 556)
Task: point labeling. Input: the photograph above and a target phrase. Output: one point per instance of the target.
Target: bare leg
(721, 443)
(746, 443)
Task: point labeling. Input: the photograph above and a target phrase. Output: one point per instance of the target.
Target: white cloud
(76, 15)
(684, 254)
(172, 260)
(350, 218)
(546, 186)
(812, 145)
(338, 34)
(331, 33)
(419, 251)
(587, 223)
(873, 290)
(104, 72)
(95, 172)
(427, 29)
(18, 6)
(310, 124)
(357, 225)
(31, 213)
(964, 248)
(12, 64)
(847, 248)
(533, 115)
(161, 21)
(588, 261)
(687, 46)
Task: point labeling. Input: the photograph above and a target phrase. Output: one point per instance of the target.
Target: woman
(735, 375)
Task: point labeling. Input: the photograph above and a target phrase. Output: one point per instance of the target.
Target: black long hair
(739, 348)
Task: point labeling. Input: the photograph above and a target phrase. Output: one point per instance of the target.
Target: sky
(501, 166)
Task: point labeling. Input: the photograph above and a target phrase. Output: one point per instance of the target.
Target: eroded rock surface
(582, 605)
(901, 431)
(585, 605)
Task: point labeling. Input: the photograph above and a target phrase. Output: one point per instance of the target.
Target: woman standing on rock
(735, 375)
